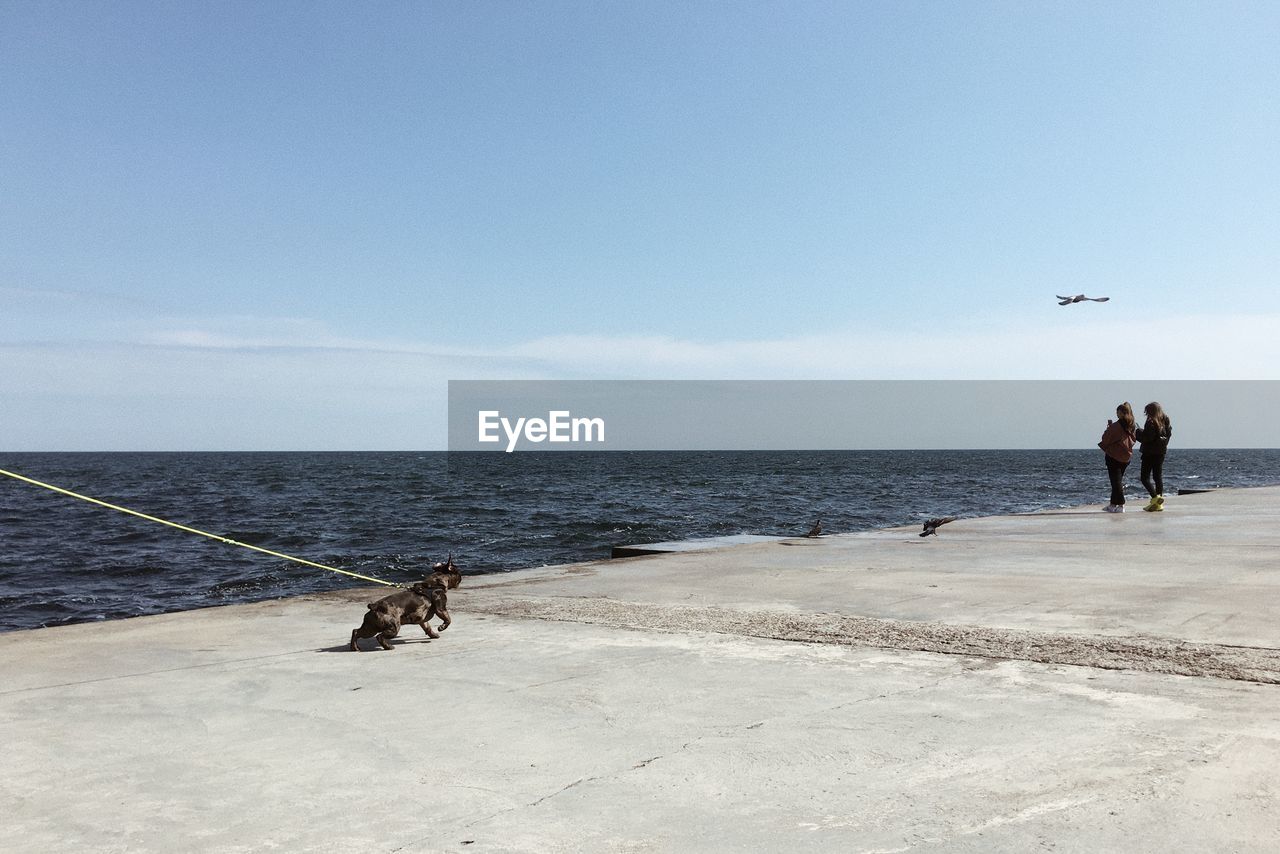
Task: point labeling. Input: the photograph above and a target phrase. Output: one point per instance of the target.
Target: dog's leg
(440, 608)
(432, 609)
(373, 622)
(390, 632)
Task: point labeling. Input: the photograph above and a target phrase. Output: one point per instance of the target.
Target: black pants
(1115, 473)
(1153, 467)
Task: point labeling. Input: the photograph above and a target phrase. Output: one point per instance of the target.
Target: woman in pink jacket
(1117, 445)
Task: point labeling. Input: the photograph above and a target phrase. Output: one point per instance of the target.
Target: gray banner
(584, 415)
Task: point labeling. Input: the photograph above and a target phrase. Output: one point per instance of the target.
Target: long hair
(1125, 413)
(1155, 412)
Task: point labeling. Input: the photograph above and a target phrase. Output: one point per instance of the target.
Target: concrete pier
(1066, 681)
(702, 544)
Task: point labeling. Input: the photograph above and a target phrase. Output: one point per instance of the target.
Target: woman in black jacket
(1154, 436)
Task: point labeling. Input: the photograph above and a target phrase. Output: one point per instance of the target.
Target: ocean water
(389, 515)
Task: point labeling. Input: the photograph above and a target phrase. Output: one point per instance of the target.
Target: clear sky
(286, 225)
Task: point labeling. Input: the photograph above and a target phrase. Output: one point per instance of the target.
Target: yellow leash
(194, 530)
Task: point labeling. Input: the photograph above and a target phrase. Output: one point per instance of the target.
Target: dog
(426, 599)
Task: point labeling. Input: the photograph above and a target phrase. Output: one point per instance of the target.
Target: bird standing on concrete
(931, 526)
(816, 530)
(1080, 298)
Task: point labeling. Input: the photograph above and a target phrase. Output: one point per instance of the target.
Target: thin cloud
(1179, 348)
(230, 385)
(1222, 347)
(19, 296)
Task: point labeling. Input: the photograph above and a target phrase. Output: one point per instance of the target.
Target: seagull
(1079, 298)
(931, 526)
(816, 530)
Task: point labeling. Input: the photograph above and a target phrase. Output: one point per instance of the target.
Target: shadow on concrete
(371, 645)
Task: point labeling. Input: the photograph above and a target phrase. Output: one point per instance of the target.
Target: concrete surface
(700, 544)
(1006, 686)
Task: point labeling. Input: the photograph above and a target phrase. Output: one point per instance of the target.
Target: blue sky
(286, 225)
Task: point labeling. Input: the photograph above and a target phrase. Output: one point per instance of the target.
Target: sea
(390, 515)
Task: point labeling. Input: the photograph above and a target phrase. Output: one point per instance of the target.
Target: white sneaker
(1110, 508)
(1119, 508)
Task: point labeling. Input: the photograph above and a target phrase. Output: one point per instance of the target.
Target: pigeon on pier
(816, 530)
(1079, 298)
(931, 526)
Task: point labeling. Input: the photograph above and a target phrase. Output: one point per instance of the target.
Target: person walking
(1154, 437)
(1117, 447)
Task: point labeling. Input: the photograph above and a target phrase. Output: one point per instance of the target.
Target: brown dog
(418, 604)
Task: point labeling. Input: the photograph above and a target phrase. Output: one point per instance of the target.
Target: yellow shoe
(1158, 501)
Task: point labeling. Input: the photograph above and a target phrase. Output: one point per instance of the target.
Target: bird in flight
(1079, 298)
